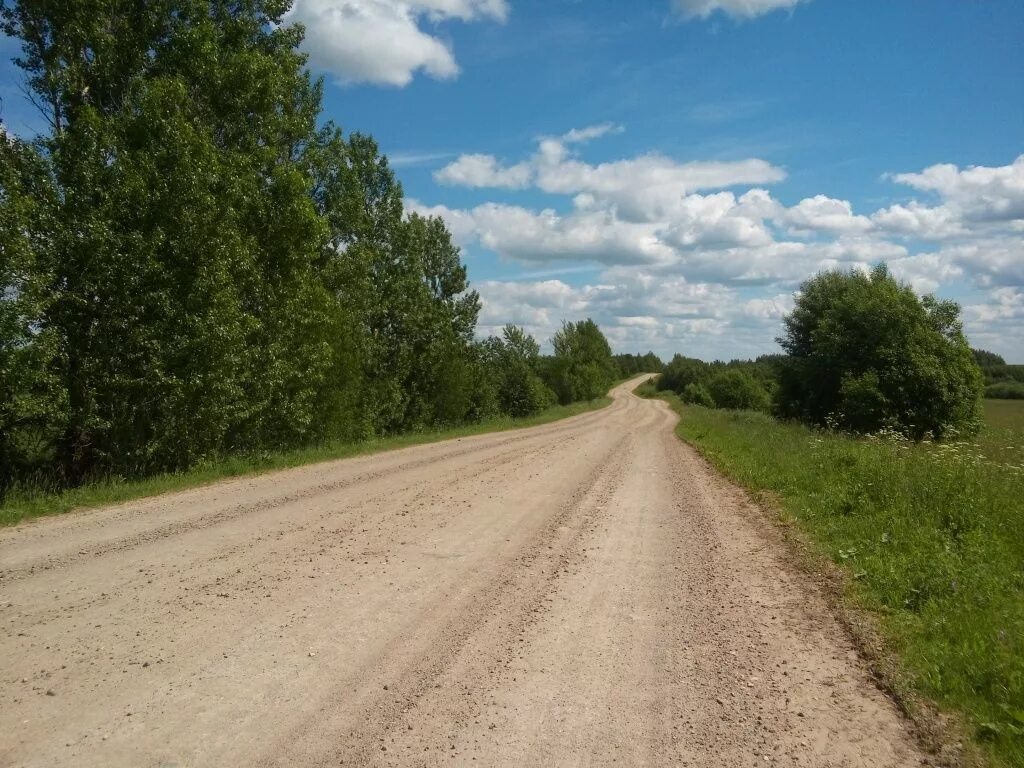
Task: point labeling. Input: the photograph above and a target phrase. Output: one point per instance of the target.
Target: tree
(697, 394)
(986, 359)
(736, 389)
(865, 352)
(179, 243)
(630, 365)
(32, 405)
(582, 368)
(514, 362)
(681, 372)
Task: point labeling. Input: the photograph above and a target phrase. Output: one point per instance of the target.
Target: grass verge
(24, 504)
(930, 538)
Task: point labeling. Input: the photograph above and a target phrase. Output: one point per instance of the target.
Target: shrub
(697, 394)
(737, 390)
(865, 353)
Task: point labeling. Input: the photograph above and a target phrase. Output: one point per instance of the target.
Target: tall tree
(182, 235)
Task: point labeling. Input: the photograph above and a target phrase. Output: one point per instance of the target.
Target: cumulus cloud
(825, 214)
(684, 256)
(917, 220)
(644, 188)
(738, 9)
(384, 41)
(996, 320)
(485, 171)
(992, 262)
(979, 193)
(639, 310)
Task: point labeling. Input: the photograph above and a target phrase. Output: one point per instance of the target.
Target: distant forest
(1002, 381)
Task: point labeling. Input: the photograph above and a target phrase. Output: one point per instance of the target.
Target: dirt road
(582, 593)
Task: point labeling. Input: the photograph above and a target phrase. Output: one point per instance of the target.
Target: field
(931, 537)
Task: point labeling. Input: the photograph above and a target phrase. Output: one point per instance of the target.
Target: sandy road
(582, 593)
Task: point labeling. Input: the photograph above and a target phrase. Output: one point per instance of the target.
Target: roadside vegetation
(196, 267)
(870, 436)
(27, 503)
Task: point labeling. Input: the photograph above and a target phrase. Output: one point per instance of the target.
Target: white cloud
(997, 322)
(720, 220)
(638, 310)
(738, 9)
(642, 189)
(649, 187)
(402, 159)
(992, 262)
(917, 220)
(382, 41)
(484, 171)
(687, 262)
(1005, 304)
(528, 236)
(582, 135)
(926, 271)
(825, 214)
(979, 193)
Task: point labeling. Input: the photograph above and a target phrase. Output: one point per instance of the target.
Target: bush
(697, 394)
(866, 353)
(737, 390)
(1005, 390)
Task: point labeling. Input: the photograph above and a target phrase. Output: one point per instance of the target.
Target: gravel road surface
(586, 592)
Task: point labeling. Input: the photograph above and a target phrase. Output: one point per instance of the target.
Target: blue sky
(674, 168)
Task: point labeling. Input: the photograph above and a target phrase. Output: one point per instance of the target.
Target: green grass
(1002, 437)
(25, 504)
(931, 537)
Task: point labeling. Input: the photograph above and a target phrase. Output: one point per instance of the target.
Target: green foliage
(513, 363)
(929, 534)
(697, 394)
(1002, 381)
(736, 384)
(1005, 390)
(683, 371)
(865, 354)
(192, 268)
(737, 389)
(582, 367)
(986, 359)
(632, 365)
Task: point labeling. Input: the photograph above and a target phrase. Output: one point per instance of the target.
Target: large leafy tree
(402, 281)
(191, 266)
(31, 396)
(180, 237)
(865, 353)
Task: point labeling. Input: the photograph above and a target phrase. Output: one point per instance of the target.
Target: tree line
(862, 352)
(1002, 381)
(193, 263)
